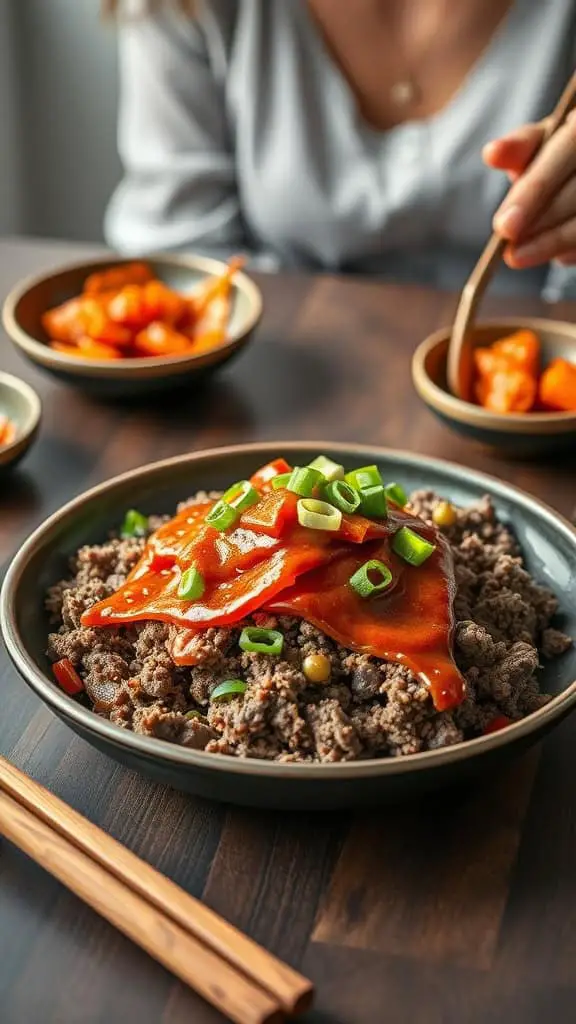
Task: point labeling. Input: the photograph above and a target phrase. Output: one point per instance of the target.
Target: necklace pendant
(404, 92)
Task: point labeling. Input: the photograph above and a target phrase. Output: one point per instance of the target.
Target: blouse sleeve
(179, 186)
(560, 283)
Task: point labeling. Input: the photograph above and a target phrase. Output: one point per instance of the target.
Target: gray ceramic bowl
(528, 435)
(549, 544)
(20, 403)
(22, 320)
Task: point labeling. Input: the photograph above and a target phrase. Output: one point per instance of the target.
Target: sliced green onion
(373, 501)
(397, 494)
(360, 581)
(222, 516)
(281, 480)
(134, 525)
(304, 480)
(366, 476)
(329, 470)
(413, 548)
(191, 585)
(227, 690)
(318, 515)
(241, 495)
(342, 496)
(195, 714)
(266, 641)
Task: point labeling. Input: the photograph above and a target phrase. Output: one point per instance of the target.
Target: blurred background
(57, 72)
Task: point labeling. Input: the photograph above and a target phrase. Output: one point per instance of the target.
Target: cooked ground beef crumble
(367, 707)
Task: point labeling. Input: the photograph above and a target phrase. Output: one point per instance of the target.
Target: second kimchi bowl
(24, 320)
(516, 434)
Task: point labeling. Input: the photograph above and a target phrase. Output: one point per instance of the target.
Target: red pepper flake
(497, 723)
(264, 620)
(67, 677)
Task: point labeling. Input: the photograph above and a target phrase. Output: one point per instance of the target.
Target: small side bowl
(20, 403)
(523, 435)
(24, 306)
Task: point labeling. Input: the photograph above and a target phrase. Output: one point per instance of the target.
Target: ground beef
(366, 707)
(554, 643)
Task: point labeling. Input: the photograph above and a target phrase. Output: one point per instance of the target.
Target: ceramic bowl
(518, 434)
(24, 306)
(549, 544)
(20, 403)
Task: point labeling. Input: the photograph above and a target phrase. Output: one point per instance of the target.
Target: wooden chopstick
(241, 978)
(214, 978)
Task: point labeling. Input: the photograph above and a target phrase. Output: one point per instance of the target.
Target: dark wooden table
(461, 911)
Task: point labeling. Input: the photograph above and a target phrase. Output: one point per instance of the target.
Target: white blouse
(238, 132)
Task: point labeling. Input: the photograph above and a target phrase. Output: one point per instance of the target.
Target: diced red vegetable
(276, 511)
(497, 723)
(67, 677)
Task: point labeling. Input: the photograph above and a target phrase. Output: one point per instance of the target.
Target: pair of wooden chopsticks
(240, 978)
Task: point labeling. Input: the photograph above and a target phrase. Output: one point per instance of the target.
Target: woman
(348, 135)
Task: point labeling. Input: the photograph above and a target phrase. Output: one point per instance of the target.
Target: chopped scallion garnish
(227, 690)
(366, 476)
(364, 586)
(281, 480)
(413, 548)
(191, 585)
(373, 501)
(222, 516)
(241, 495)
(266, 641)
(330, 470)
(397, 494)
(195, 714)
(134, 525)
(318, 515)
(343, 496)
(304, 480)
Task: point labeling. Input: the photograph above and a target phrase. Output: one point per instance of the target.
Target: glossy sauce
(300, 572)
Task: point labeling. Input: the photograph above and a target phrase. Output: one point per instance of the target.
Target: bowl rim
(77, 366)
(469, 413)
(334, 772)
(23, 437)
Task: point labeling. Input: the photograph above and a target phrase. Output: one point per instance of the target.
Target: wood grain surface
(460, 910)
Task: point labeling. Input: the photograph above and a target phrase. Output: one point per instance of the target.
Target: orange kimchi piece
(506, 372)
(125, 312)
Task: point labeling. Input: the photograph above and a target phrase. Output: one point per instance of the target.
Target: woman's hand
(538, 216)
